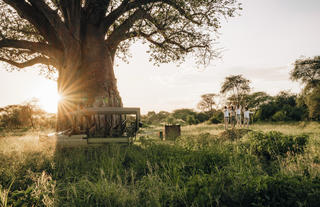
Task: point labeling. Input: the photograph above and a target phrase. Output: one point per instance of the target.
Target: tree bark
(86, 80)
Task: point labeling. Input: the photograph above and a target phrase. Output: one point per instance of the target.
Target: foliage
(308, 72)
(279, 116)
(191, 119)
(237, 86)
(312, 100)
(37, 32)
(26, 115)
(179, 116)
(183, 113)
(202, 117)
(233, 134)
(273, 144)
(256, 99)
(207, 102)
(155, 118)
(217, 117)
(282, 107)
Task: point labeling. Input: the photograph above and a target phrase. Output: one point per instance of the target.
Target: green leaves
(237, 86)
(307, 71)
(272, 144)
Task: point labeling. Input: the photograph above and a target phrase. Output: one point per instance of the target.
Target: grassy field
(206, 166)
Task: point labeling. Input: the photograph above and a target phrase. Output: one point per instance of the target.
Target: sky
(261, 44)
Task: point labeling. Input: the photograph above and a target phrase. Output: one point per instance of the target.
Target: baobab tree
(80, 39)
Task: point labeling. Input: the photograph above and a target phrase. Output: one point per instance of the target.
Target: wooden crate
(172, 132)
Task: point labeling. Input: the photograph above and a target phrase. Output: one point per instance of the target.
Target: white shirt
(247, 114)
(226, 113)
(238, 111)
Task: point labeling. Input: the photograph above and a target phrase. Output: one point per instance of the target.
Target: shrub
(191, 120)
(202, 117)
(279, 116)
(216, 118)
(273, 144)
(233, 134)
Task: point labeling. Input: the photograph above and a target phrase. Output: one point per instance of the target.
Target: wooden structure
(124, 133)
(172, 132)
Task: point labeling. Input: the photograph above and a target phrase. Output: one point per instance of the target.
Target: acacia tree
(256, 99)
(308, 72)
(207, 102)
(237, 86)
(79, 39)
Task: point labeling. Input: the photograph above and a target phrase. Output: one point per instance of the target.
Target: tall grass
(203, 168)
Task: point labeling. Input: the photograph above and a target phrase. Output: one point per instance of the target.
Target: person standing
(247, 117)
(232, 117)
(238, 116)
(226, 117)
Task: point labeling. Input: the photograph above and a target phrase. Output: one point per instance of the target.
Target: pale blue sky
(262, 44)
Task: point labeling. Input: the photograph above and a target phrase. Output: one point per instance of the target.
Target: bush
(191, 120)
(272, 144)
(216, 118)
(202, 117)
(233, 134)
(279, 116)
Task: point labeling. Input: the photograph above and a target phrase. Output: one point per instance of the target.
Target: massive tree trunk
(87, 79)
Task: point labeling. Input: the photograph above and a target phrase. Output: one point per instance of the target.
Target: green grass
(204, 167)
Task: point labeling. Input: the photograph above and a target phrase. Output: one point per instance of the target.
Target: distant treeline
(26, 115)
(284, 106)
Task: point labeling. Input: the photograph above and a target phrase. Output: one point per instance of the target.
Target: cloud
(261, 73)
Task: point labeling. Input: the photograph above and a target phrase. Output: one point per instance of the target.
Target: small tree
(191, 120)
(207, 102)
(30, 110)
(255, 100)
(308, 72)
(312, 100)
(237, 86)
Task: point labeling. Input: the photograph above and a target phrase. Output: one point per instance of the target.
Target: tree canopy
(43, 31)
(256, 99)
(307, 71)
(207, 102)
(237, 86)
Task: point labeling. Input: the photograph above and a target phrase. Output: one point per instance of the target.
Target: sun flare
(48, 97)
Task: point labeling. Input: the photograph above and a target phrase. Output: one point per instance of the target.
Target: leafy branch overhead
(44, 31)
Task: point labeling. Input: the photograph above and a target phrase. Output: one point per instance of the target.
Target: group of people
(233, 116)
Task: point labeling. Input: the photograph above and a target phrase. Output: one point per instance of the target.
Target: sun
(49, 102)
(48, 97)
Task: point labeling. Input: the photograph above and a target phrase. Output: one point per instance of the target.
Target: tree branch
(32, 46)
(34, 61)
(125, 6)
(181, 11)
(37, 19)
(55, 21)
(120, 33)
